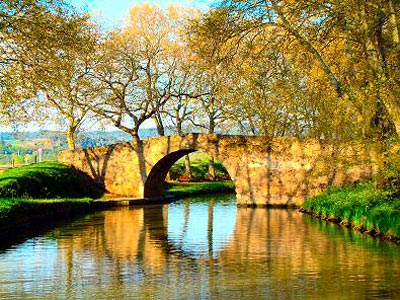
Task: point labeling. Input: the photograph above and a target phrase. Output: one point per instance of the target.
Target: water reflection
(205, 231)
(194, 249)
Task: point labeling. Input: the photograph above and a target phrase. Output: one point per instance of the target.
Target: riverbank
(46, 192)
(363, 208)
(185, 189)
(43, 193)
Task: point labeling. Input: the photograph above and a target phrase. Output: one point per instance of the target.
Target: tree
(350, 48)
(45, 57)
(211, 112)
(31, 32)
(137, 72)
(181, 110)
(68, 87)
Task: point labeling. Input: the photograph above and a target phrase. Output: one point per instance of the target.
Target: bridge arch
(154, 186)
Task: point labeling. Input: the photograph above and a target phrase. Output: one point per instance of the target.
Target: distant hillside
(84, 139)
(103, 138)
(23, 147)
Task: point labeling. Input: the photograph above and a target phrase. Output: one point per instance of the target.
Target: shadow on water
(13, 237)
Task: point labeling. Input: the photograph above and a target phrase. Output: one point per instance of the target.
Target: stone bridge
(281, 171)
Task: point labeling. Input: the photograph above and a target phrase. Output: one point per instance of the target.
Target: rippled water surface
(200, 248)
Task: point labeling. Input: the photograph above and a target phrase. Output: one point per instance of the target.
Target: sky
(111, 13)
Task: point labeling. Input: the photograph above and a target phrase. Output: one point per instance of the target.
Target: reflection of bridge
(283, 171)
(125, 247)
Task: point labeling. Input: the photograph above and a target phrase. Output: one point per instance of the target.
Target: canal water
(199, 248)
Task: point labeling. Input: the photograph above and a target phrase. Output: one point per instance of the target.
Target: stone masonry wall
(284, 171)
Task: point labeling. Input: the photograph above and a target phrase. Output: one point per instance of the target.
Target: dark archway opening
(155, 185)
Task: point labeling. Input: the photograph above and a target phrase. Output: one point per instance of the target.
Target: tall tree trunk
(188, 169)
(211, 129)
(138, 148)
(375, 55)
(71, 137)
(393, 25)
(393, 110)
(159, 124)
(211, 169)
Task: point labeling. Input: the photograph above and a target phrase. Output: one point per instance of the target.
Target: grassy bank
(362, 207)
(47, 180)
(41, 193)
(181, 189)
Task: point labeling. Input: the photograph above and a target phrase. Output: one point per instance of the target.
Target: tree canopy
(324, 69)
(321, 68)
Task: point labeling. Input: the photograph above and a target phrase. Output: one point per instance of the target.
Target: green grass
(43, 192)
(199, 167)
(196, 188)
(363, 206)
(47, 180)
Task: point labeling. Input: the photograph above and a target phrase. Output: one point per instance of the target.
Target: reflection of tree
(210, 225)
(123, 229)
(281, 246)
(185, 222)
(132, 251)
